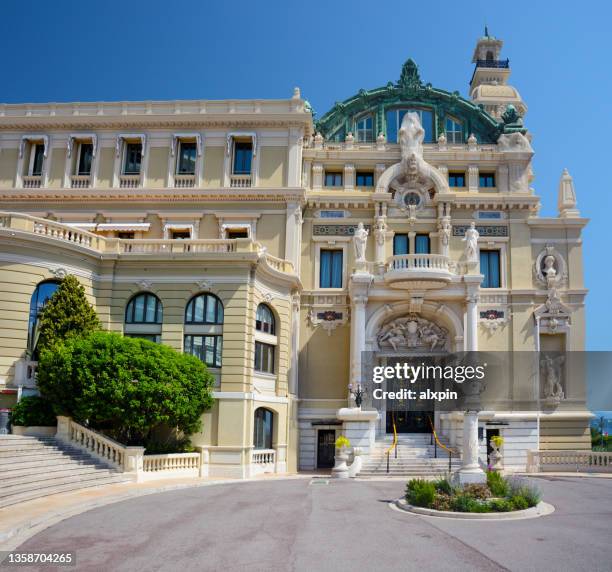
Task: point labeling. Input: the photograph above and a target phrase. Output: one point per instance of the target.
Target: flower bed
(497, 495)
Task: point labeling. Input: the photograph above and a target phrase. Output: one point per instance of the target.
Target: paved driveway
(308, 526)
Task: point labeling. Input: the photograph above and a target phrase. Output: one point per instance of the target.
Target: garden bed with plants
(498, 495)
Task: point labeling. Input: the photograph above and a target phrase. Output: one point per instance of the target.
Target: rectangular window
(421, 244)
(264, 357)
(180, 234)
(151, 337)
(454, 131)
(243, 157)
(38, 157)
(456, 180)
(125, 235)
(394, 122)
(400, 244)
(231, 233)
(186, 160)
(85, 158)
(364, 130)
(330, 271)
(133, 159)
(490, 269)
(206, 348)
(365, 179)
(333, 179)
(486, 180)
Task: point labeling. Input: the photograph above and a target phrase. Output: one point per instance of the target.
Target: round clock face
(412, 199)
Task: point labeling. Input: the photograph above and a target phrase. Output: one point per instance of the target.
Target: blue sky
(559, 53)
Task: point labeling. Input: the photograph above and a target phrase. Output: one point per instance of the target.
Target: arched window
(264, 321)
(204, 309)
(145, 308)
(204, 329)
(454, 130)
(264, 426)
(394, 122)
(42, 294)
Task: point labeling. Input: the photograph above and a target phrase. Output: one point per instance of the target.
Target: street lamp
(357, 392)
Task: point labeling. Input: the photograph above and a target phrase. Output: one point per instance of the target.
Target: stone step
(51, 473)
(18, 467)
(41, 485)
(38, 493)
(41, 456)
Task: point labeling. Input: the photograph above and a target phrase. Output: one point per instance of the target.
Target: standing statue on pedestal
(360, 241)
(471, 243)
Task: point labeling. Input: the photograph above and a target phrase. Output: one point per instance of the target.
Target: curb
(12, 538)
(541, 509)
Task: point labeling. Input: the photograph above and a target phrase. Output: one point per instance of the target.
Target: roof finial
(486, 31)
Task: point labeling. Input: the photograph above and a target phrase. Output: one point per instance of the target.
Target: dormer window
(394, 122)
(364, 129)
(454, 130)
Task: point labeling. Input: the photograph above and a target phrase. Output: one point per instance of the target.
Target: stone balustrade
(424, 271)
(129, 181)
(566, 461)
(263, 461)
(32, 181)
(418, 262)
(241, 181)
(171, 462)
(80, 181)
(127, 247)
(184, 181)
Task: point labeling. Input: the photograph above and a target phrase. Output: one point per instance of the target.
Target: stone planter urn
(341, 470)
(497, 458)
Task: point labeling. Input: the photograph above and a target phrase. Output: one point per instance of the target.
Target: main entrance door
(409, 421)
(326, 448)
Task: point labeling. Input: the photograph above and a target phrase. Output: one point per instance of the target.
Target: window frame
(455, 122)
(457, 174)
(483, 176)
(35, 148)
(219, 310)
(398, 121)
(261, 323)
(263, 429)
(333, 251)
(359, 131)
(364, 174)
(127, 143)
(335, 175)
(397, 236)
(264, 352)
(158, 311)
(79, 154)
(217, 348)
(36, 308)
(179, 148)
(242, 141)
(486, 274)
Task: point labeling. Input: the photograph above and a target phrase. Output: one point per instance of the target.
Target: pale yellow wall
(272, 166)
(271, 233)
(105, 168)
(8, 166)
(157, 169)
(57, 167)
(213, 166)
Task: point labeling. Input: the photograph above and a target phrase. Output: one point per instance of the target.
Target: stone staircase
(415, 458)
(34, 467)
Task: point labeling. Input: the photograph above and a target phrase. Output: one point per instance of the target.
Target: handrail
(451, 452)
(394, 444)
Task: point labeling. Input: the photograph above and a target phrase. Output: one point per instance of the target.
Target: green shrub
(519, 502)
(477, 491)
(465, 503)
(501, 505)
(33, 411)
(498, 486)
(522, 488)
(420, 493)
(443, 485)
(125, 387)
(442, 502)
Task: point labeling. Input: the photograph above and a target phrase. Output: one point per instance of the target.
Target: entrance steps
(34, 467)
(415, 458)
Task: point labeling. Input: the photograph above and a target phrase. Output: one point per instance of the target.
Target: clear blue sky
(559, 52)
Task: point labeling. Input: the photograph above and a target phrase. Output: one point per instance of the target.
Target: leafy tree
(33, 410)
(125, 387)
(67, 313)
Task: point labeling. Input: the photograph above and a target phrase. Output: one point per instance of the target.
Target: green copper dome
(380, 110)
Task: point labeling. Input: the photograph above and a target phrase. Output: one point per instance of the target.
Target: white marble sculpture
(471, 243)
(553, 390)
(360, 241)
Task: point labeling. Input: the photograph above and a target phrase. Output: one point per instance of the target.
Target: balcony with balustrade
(417, 271)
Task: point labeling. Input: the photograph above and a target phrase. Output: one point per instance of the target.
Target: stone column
(295, 338)
(358, 320)
(470, 471)
(380, 232)
(471, 322)
(293, 234)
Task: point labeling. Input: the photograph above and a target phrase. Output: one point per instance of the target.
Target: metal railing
(493, 63)
(437, 443)
(393, 446)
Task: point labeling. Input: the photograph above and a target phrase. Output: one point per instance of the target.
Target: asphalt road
(305, 525)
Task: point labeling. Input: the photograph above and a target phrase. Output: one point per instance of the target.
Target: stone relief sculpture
(412, 333)
(553, 390)
(360, 240)
(514, 142)
(471, 243)
(411, 135)
(549, 269)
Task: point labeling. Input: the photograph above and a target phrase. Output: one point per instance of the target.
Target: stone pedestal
(470, 471)
(359, 427)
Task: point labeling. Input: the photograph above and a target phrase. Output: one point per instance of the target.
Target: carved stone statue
(412, 332)
(552, 378)
(360, 241)
(471, 243)
(445, 231)
(411, 135)
(549, 269)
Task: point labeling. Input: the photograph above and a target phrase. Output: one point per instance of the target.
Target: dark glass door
(326, 448)
(409, 421)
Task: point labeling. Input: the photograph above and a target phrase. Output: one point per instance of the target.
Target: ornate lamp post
(357, 393)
